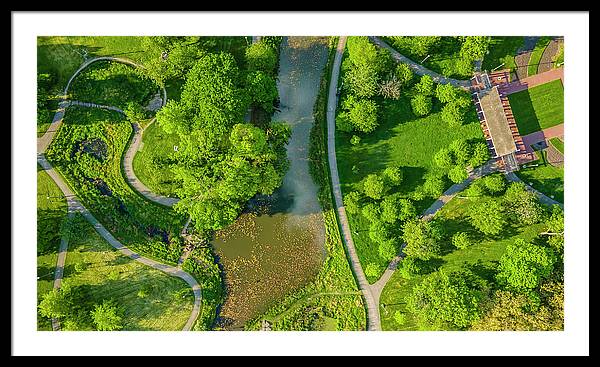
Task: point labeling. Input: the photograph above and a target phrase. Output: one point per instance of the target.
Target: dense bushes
(145, 227)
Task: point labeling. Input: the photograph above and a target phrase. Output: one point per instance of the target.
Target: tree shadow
(486, 270)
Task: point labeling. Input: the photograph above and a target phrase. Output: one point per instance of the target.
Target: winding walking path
(373, 321)
(74, 205)
(420, 69)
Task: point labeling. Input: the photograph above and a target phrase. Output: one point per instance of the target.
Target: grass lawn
(403, 140)
(50, 212)
(545, 177)
(486, 251)
(502, 50)
(539, 107)
(443, 59)
(536, 55)
(151, 300)
(558, 144)
(157, 145)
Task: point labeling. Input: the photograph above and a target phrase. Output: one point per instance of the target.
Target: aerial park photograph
(356, 182)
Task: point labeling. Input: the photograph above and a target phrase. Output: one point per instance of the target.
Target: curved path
(418, 68)
(74, 205)
(373, 322)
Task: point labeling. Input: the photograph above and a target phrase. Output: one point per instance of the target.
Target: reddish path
(534, 80)
(538, 136)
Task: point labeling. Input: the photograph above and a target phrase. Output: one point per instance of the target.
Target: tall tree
(422, 239)
(488, 216)
(107, 316)
(524, 266)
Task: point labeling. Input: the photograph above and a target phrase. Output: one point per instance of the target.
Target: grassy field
(443, 59)
(536, 55)
(558, 144)
(151, 300)
(51, 209)
(545, 177)
(485, 251)
(539, 107)
(403, 140)
(157, 145)
(314, 307)
(502, 50)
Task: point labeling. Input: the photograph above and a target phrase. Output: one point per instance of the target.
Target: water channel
(277, 244)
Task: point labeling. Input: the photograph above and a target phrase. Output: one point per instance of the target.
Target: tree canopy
(524, 265)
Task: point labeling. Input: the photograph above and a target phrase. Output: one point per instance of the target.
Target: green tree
(135, 112)
(352, 202)
(400, 318)
(474, 47)
(453, 114)
(458, 174)
(555, 229)
(363, 115)
(446, 93)
(107, 316)
(480, 155)
(394, 208)
(343, 123)
(393, 176)
(495, 183)
(261, 57)
(361, 51)
(423, 45)
(522, 204)
(379, 232)
(371, 211)
(422, 239)
(55, 304)
(425, 86)
(405, 74)
(460, 150)
(262, 90)
(374, 186)
(355, 140)
(524, 266)
(443, 300)
(461, 240)
(362, 81)
(421, 104)
(434, 185)
(488, 216)
(387, 250)
(443, 158)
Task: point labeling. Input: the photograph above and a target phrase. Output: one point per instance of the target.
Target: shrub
(371, 211)
(446, 93)
(400, 318)
(404, 73)
(355, 140)
(387, 250)
(434, 185)
(393, 176)
(443, 158)
(390, 88)
(343, 123)
(494, 183)
(481, 154)
(461, 151)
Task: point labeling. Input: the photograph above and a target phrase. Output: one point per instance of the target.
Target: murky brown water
(278, 245)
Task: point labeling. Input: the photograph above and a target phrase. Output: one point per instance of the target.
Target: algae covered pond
(277, 244)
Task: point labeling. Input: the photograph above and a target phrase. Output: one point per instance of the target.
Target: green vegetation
(87, 151)
(558, 144)
(113, 84)
(536, 55)
(476, 273)
(332, 301)
(560, 56)
(502, 50)
(95, 273)
(544, 177)
(450, 56)
(47, 103)
(151, 162)
(539, 107)
(51, 211)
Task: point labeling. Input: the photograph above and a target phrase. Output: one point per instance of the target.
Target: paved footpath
(420, 69)
(373, 322)
(534, 80)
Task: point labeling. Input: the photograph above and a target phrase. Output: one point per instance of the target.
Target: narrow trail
(418, 68)
(74, 205)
